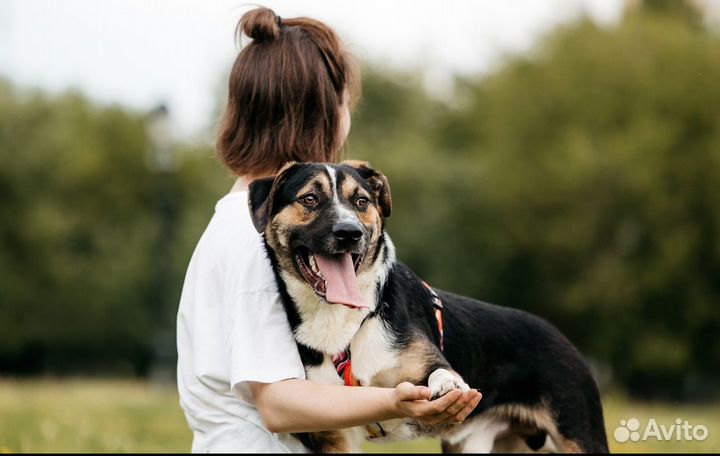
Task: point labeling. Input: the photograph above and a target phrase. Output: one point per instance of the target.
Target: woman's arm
(305, 406)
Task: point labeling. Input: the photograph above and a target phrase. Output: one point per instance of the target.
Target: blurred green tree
(81, 216)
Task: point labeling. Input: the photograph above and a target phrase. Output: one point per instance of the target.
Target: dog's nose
(346, 231)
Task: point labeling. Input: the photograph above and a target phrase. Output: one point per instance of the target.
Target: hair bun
(261, 24)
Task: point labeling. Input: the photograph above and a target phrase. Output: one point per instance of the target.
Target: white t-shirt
(232, 329)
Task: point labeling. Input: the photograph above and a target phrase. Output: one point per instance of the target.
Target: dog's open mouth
(332, 277)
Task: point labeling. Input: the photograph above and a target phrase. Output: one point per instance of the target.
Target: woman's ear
(377, 181)
(261, 196)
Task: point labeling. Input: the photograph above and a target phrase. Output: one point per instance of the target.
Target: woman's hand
(414, 401)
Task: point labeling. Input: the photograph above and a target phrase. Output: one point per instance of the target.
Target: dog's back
(534, 381)
(518, 359)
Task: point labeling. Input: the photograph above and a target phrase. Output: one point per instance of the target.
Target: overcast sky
(141, 53)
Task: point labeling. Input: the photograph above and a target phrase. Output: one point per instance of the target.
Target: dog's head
(323, 223)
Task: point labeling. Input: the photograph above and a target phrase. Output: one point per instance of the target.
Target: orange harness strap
(438, 304)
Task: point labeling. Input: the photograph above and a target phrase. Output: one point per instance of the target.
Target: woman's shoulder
(232, 245)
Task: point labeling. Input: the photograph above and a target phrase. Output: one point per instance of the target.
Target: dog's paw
(443, 381)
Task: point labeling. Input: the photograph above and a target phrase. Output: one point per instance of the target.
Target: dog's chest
(372, 352)
(371, 356)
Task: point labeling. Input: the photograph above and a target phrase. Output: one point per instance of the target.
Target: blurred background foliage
(580, 182)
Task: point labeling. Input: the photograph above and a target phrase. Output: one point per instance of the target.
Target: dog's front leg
(442, 381)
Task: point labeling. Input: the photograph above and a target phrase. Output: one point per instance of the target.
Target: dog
(360, 317)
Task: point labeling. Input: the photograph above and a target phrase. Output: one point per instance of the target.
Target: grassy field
(129, 416)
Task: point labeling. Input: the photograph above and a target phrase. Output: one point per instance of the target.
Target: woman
(241, 382)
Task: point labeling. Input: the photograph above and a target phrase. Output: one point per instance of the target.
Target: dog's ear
(258, 194)
(378, 182)
(261, 196)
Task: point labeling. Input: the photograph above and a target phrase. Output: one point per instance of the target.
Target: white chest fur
(372, 351)
(325, 327)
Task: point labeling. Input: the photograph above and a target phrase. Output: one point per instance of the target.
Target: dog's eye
(309, 200)
(361, 202)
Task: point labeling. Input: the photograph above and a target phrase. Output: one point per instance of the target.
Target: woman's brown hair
(285, 94)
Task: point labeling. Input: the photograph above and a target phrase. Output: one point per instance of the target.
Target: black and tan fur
(538, 393)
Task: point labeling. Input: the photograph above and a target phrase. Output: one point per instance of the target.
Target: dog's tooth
(314, 267)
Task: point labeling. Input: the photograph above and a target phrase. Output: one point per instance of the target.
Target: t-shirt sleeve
(262, 347)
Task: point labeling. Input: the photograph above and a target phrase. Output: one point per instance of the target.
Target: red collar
(343, 365)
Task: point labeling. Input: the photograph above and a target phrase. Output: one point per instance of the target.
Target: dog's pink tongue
(340, 280)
